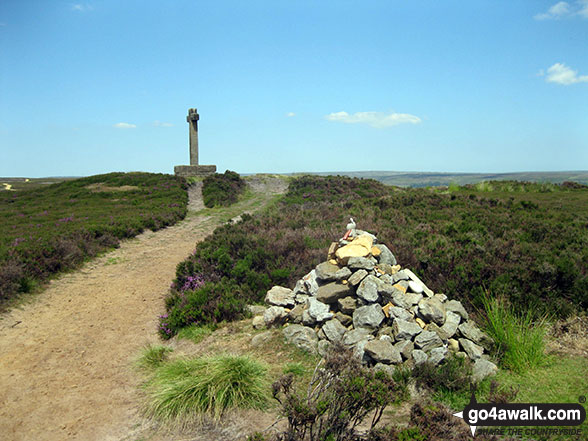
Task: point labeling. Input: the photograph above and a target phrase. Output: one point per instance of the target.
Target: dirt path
(66, 359)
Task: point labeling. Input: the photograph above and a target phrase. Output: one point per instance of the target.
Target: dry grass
(101, 187)
(569, 336)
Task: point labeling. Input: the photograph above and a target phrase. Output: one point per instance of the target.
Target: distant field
(415, 179)
(17, 184)
(47, 226)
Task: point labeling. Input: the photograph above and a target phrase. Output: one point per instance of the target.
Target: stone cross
(192, 119)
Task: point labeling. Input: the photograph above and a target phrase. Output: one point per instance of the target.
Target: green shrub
(519, 339)
(183, 391)
(222, 190)
(340, 396)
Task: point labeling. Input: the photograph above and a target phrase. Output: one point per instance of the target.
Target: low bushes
(54, 228)
(517, 241)
(222, 190)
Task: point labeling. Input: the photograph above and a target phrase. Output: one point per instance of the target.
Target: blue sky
(293, 85)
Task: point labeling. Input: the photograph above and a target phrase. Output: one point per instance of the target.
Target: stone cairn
(362, 298)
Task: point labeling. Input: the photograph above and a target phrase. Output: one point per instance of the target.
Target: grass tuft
(520, 340)
(186, 390)
(153, 356)
(195, 333)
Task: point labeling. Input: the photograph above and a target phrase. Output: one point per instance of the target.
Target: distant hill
(416, 179)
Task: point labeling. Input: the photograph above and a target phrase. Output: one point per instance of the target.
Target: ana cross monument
(193, 169)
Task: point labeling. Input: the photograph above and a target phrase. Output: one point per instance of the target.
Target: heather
(53, 228)
(222, 189)
(527, 243)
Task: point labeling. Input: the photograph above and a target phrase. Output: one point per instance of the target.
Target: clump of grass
(187, 390)
(296, 369)
(153, 356)
(519, 338)
(195, 333)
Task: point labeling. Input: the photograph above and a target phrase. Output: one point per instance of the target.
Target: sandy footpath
(66, 358)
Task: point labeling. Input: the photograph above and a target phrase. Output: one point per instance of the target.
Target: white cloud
(564, 9)
(124, 125)
(290, 114)
(378, 120)
(82, 7)
(561, 74)
(162, 124)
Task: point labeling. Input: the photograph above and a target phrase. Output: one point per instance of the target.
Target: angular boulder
(386, 255)
(325, 271)
(427, 340)
(331, 292)
(280, 296)
(369, 316)
(432, 310)
(334, 330)
(368, 289)
(302, 337)
(319, 311)
(274, 316)
(356, 278)
(382, 351)
(405, 330)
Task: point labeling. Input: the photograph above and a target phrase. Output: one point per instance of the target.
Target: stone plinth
(194, 170)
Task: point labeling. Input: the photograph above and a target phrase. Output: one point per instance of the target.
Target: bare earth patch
(66, 359)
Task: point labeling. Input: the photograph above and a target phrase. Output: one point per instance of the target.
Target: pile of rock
(362, 298)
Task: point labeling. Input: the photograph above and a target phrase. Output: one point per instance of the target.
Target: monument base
(194, 170)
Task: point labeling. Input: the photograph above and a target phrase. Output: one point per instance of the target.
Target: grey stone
(353, 337)
(295, 315)
(457, 308)
(274, 316)
(385, 269)
(398, 298)
(473, 350)
(325, 271)
(438, 330)
(321, 335)
(343, 274)
(414, 278)
(386, 255)
(400, 313)
(280, 296)
(358, 263)
(400, 275)
(346, 320)
(301, 299)
(369, 316)
(432, 310)
(188, 171)
(347, 305)
(419, 357)
(258, 322)
(427, 340)
(332, 292)
(311, 283)
(404, 330)
(319, 311)
(413, 298)
(386, 278)
(302, 337)
(334, 330)
(356, 278)
(322, 347)
(368, 289)
(482, 369)
(473, 333)
(405, 347)
(415, 287)
(386, 368)
(382, 352)
(385, 337)
(300, 288)
(386, 330)
(256, 309)
(359, 350)
(441, 297)
(261, 339)
(452, 321)
(437, 355)
(307, 320)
